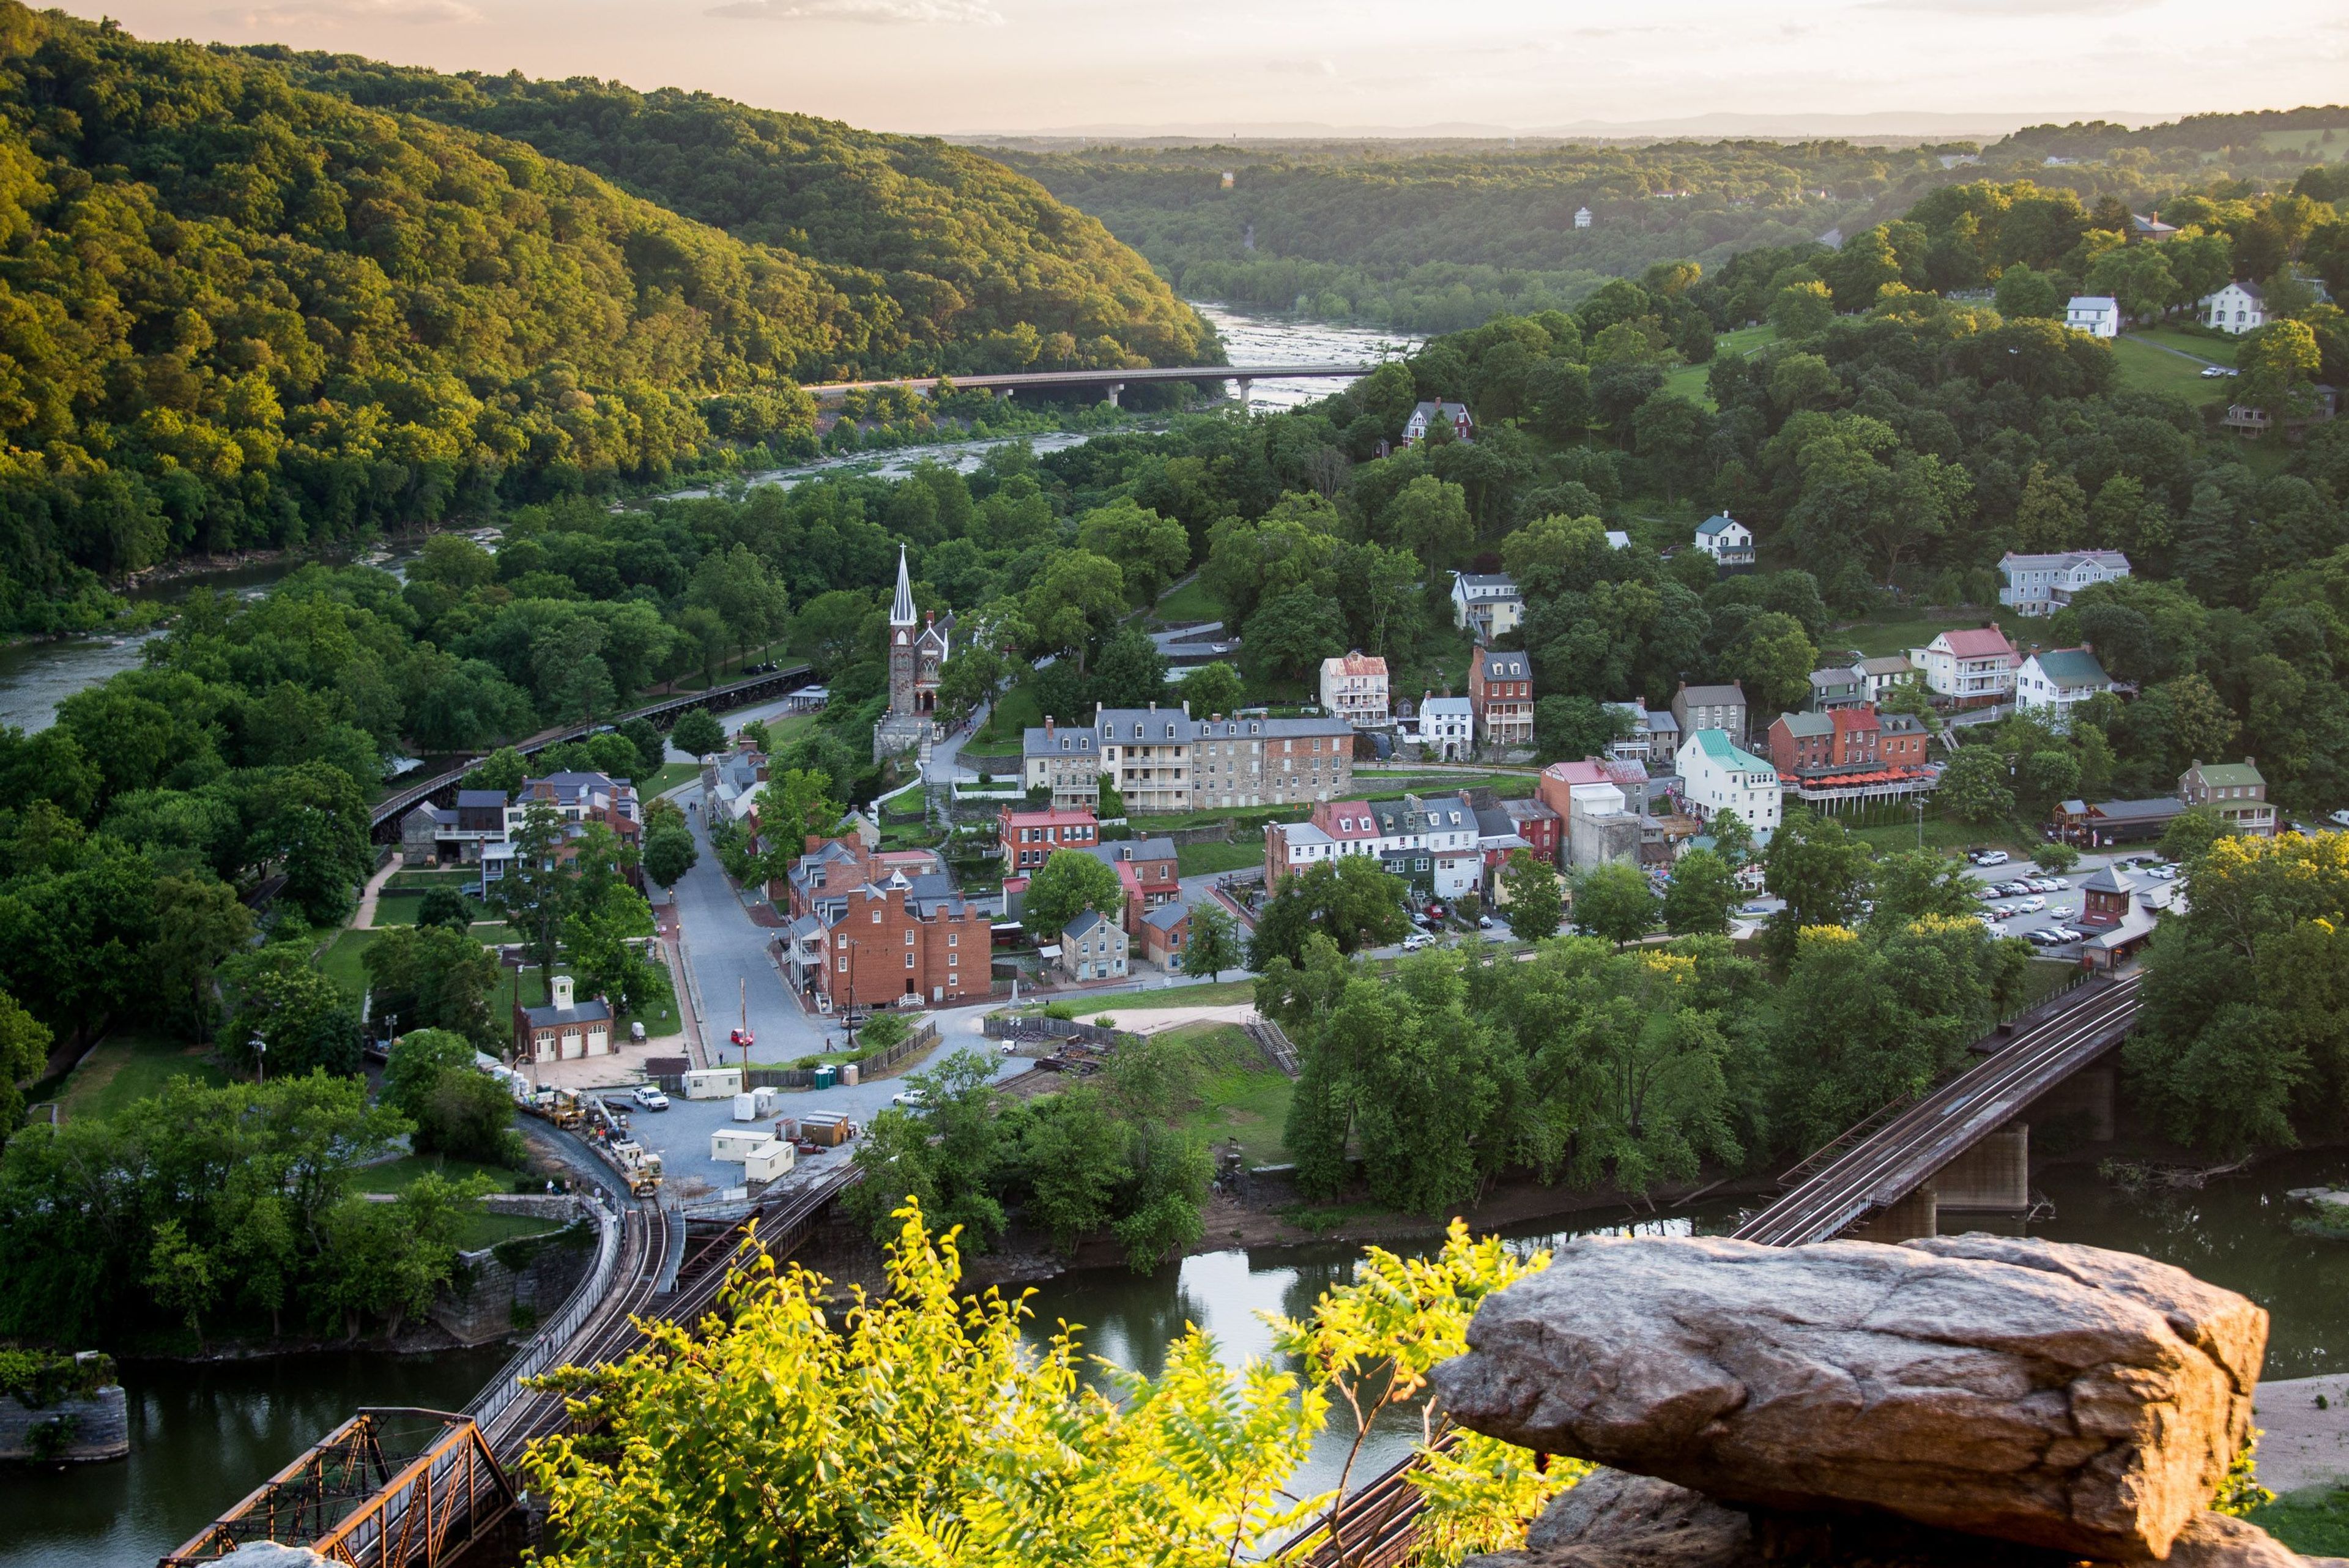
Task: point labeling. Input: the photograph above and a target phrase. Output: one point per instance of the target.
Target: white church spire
(902, 612)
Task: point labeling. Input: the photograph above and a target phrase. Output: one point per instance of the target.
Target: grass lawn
(675, 773)
(1898, 632)
(1220, 993)
(1688, 382)
(425, 881)
(1015, 711)
(485, 1229)
(2200, 341)
(1943, 833)
(1189, 601)
(1201, 859)
(2042, 978)
(2313, 1526)
(341, 961)
(126, 1067)
(399, 1174)
(1245, 1098)
(398, 907)
(1391, 785)
(2142, 368)
(493, 933)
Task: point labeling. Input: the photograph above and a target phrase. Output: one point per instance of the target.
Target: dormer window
(1137, 731)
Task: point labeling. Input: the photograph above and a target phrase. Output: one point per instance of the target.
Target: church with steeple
(918, 644)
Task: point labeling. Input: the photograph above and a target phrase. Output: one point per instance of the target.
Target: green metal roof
(2073, 667)
(2232, 775)
(1729, 754)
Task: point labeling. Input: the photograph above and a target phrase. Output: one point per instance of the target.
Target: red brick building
(1501, 695)
(1030, 837)
(889, 942)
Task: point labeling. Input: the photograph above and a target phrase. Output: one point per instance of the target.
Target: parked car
(2046, 884)
(2162, 873)
(2041, 939)
(1416, 941)
(911, 1099)
(2339, 818)
(1998, 914)
(1484, 922)
(2066, 934)
(649, 1096)
(1990, 894)
(2031, 906)
(1988, 857)
(2012, 889)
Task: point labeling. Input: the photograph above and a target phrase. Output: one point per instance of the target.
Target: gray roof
(1836, 675)
(1085, 921)
(1166, 917)
(1886, 664)
(1898, 723)
(1167, 726)
(1115, 850)
(1801, 724)
(2140, 810)
(1712, 696)
(590, 1011)
(2111, 879)
(478, 797)
(1506, 667)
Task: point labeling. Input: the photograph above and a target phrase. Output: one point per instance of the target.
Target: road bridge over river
(1110, 383)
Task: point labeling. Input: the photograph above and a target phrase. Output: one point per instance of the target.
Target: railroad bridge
(441, 788)
(399, 1488)
(1110, 383)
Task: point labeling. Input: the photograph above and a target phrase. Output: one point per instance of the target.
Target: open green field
(1243, 1098)
(396, 906)
(423, 881)
(675, 773)
(342, 961)
(124, 1067)
(2312, 1525)
(2311, 143)
(1942, 833)
(2200, 341)
(1900, 631)
(486, 1229)
(1391, 785)
(1189, 601)
(1219, 993)
(1204, 859)
(399, 1174)
(1688, 382)
(1015, 712)
(2142, 368)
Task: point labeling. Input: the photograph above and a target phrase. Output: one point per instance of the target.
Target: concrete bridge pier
(1112, 393)
(1914, 1217)
(2086, 1099)
(1247, 385)
(1994, 1176)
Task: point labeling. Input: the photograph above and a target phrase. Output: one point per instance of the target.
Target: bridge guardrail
(538, 1355)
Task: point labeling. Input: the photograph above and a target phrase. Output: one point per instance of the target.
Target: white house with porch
(2238, 308)
(2098, 314)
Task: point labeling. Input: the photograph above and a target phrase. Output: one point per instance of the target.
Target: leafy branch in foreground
(925, 1431)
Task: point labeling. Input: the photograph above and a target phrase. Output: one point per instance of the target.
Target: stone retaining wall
(98, 1427)
(490, 1299)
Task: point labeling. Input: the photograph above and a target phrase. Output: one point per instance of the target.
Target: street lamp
(260, 1060)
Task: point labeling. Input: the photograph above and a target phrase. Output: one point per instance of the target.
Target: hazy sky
(969, 65)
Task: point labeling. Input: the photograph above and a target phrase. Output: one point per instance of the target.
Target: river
(35, 677)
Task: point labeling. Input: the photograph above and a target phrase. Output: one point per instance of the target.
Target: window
(843, 944)
(909, 961)
(843, 966)
(953, 938)
(909, 939)
(876, 917)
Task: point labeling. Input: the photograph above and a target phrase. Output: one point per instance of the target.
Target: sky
(1204, 65)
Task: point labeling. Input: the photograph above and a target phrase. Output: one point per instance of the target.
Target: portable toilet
(826, 1076)
(769, 1101)
(712, 1083)
(771, 1160)
(745, 1108)
(733, 1145)
(848, 1075)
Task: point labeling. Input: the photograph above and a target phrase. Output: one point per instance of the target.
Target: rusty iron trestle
(420, 1508)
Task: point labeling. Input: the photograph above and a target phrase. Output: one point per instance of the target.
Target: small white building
(2042, 585)
(1582, 217)
(1718, 775)
(1447, 728)
(1489, 604)
(1969, 667)
(1726, 540)
(2054, 682)
(2238, 308)
(2098, 314)
(1354, 688)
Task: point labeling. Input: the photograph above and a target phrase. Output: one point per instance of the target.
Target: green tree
(24, 1050)
(1212, 688)
(1130, 672)
(444, 906)
(2022, 291)
(536, 892)
(1802, 310)
(1974, 786)
(1150, 550)
(2192, 831)
(1774, 661)
(314, 825)
(284, 1018)
(1535, 903)
(1291, 634)
(1614, 901)
(199, 922)
(670, 853)
(183, 1276)
(502, 770)
(2279, 363)
(1732, 839)
(1821, 871)
(1910, 884)
(470, 1116)
(1068, 883)
(1699, 894)
(415, 1063)
(948, 1153)
(1214, 941)
(1429, 517)
(1073, 1156)
(2054, 858)
(795, 805)
(1572, 728)
(698, 733)
(1079, 597)
(1350, 900)
(434, 977)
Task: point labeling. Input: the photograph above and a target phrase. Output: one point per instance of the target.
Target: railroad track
(1892, 1162)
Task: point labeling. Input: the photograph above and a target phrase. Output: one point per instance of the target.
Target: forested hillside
(988, 271)
(237, 313)
(1436, 236)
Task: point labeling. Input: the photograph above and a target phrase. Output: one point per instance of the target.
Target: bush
(467, 1114)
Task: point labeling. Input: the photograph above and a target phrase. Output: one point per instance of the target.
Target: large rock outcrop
(2052, 1396)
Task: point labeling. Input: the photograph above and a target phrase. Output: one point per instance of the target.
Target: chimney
(1186, 707)
(1047, 726)
(1153, 705)
(559, 990)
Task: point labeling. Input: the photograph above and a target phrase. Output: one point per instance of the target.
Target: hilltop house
(1488, 604)
(1884, 672)
(1456, 415)
(2042, 585)
(1354, 688)
(1838, 686)
(1720, 708)
(2098, 314)
(1729, 542)
(1447, 728)
(1582, 217)
(2238, 308)
(2055, 682)
(2149, 228)
(1969, 668)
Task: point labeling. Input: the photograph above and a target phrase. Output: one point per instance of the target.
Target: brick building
(1028, 837)
(1162, 759)
(892, 940)
(1501, 695)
